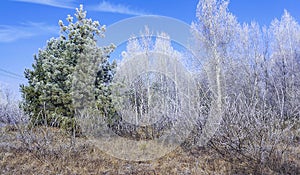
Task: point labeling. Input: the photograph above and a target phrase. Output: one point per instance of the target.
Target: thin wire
(11, 74)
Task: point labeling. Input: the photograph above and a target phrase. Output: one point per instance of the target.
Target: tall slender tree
(214, 33)
(285, 64)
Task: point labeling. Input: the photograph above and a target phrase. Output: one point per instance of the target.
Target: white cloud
(105, 6)
(26, 30)
(55, 3)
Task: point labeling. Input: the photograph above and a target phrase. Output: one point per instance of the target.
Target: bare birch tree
(252, 74)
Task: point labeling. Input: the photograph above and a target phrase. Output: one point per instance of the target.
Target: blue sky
(26, 25)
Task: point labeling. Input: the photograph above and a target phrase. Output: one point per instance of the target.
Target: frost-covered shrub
(10, 113)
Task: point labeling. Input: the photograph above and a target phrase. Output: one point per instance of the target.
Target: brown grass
(52, 151)
(60, 156)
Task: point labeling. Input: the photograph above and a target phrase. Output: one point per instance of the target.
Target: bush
(10, 113)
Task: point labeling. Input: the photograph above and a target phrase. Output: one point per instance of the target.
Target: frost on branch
(70, 73)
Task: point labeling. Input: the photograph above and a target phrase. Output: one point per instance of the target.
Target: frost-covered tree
(157, 58)
(285, 65)
(253, 73)
(214, 33)
(71, 73)
(150, 71)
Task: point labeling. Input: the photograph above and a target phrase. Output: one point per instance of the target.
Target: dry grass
(52, 151)
(61, 156)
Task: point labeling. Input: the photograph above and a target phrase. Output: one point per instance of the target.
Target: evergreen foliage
(70, 74)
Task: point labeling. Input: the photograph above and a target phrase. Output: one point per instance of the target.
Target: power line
(11, 74)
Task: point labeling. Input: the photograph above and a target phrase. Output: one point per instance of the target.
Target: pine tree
(69, 74)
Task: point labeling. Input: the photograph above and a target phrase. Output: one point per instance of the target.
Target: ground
(46, 150)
